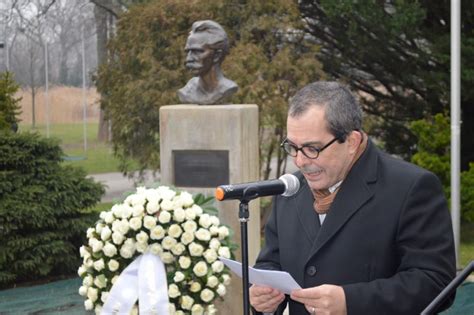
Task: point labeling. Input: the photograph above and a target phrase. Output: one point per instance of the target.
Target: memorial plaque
(201, 168)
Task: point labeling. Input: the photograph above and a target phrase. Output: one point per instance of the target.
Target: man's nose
(300, 159)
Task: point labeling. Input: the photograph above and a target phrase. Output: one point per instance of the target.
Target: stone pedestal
(214, 142)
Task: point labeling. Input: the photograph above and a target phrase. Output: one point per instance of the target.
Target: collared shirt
(331, 190)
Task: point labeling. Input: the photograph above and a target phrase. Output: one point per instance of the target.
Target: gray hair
(342, 111)
(214, 34)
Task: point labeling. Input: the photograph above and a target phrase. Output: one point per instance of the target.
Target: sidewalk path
(117, 186)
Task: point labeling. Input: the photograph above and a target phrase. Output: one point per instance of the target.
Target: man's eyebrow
(309, 143)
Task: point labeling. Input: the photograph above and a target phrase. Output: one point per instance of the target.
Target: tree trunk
(101, 17)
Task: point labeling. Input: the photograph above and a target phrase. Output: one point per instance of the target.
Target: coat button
(311, 271)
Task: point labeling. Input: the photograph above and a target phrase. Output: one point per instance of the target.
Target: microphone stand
(248, 194)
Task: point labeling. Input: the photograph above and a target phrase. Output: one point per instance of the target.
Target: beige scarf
(323, 198)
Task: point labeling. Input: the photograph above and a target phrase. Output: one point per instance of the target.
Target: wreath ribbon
(143, 280)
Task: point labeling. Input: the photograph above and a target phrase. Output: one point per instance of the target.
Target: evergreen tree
(9, 105)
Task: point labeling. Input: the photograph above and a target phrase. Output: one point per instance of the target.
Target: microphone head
(292, 184)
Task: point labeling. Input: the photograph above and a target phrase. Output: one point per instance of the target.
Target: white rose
(195, 249)
(179, 215)
(217, 266)
(83, 290)
(210, 255)
(138, 210)
(126, 211)
(173, 291)
(109, 250)
(117, 210)
(136, 223)
(190, 226)
(184, 262)
(88, 281)
(137, 199)
(114, 279)
(152, 206)
(113, 265)
(175, 230)
(99, 264)
(84, 251)
(179, 313)
(200, 269)
(88, 305)
(123, 226)
(197, 309)
(127, 251)
(215, 220)
(90, 232)
(205, 220)
(178, 249)
(211, 310)
(214, 230)
(190, 213)
(214, 244)
(149, 222)
(88, 262)
(92, 294)
(164, 217)
(167, 205)
(187, 237)
(141, 247)
(168, 242)
(155, 249)
(226, 279)
(224, 252)
(223, 232)
(172, 308)
(142, 237)
(165, 192)
(186, 199)
(167, 257)
(157, 233)
(100, 281)
(197, 209)
(96, 245)
(104, 296)
(82, 270)
(207, 295)
(212, 281)
(187, 302)
(99, 227)
(105, 233)
(203, 234)
(195, 287)
(109, 217)
(178, 276)
(221, 289)
(117, 238)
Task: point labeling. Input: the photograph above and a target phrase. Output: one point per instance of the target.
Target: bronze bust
(206, 47)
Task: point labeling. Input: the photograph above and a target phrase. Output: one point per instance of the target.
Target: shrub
(9, 107)
(42, 203)
(433, 153)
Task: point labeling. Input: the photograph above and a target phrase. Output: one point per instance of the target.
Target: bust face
(199, 57)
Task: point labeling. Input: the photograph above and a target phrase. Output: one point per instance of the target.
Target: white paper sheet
(280, 280)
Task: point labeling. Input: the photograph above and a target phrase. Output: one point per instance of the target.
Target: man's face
(199, 57)
(332, 163)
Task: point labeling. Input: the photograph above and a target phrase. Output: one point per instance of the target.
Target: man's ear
(354, 139)
(217, 56)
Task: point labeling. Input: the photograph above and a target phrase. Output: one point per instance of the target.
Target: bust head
(207, 45)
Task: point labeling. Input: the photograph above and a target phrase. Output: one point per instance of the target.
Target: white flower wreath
(166, 223)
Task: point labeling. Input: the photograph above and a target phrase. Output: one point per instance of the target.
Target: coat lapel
(355, 191)
(308, 217)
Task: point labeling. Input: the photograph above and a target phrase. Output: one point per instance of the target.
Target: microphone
(287, 185)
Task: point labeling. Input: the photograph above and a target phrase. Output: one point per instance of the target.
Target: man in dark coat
(367, 233)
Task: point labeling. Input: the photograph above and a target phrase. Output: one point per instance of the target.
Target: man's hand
(325, 299)
(265, 299)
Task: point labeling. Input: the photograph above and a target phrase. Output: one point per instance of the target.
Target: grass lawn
(93, 156)
(466, 251)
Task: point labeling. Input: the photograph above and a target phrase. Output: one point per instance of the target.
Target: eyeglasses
(309, 150)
